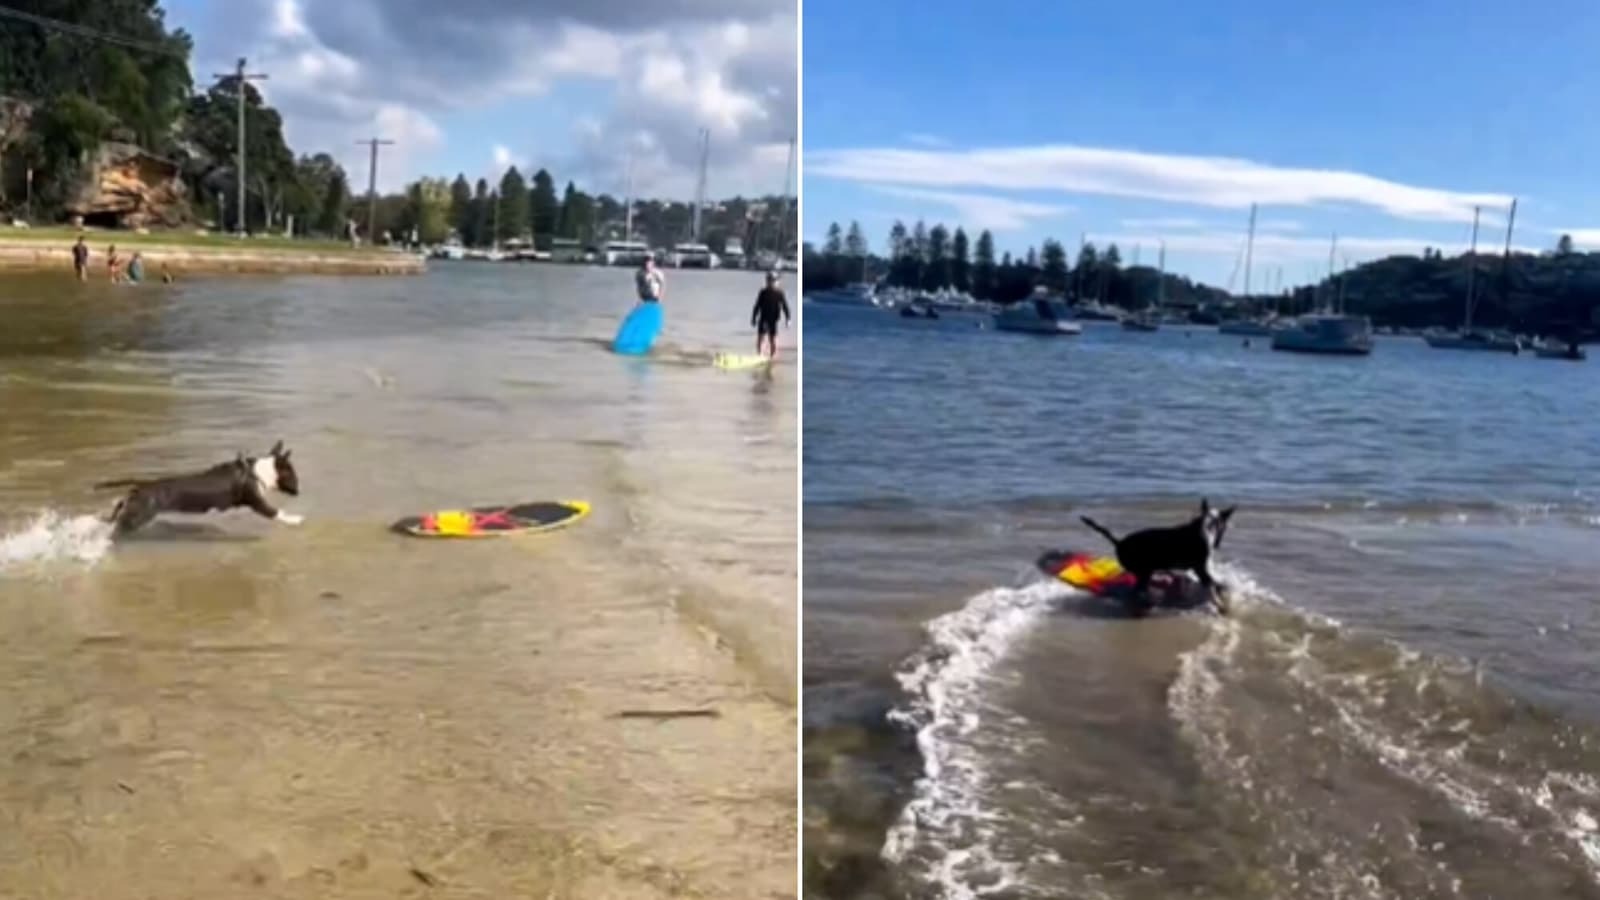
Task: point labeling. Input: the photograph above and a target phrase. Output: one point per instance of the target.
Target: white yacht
(858, 294)
(1038, 315)
(1326, 333)
(624, 253)
(733, 253)
(693, 256)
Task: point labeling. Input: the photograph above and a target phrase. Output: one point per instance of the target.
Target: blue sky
(580, 87)
(1163, 120)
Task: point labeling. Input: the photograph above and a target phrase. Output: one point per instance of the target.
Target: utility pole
(372, 186)
(241, 76)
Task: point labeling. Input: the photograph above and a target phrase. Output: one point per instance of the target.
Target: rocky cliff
(125, 187)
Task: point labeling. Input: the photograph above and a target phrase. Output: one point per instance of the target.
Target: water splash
(51, 537)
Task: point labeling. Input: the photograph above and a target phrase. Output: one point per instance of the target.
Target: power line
(85, 31)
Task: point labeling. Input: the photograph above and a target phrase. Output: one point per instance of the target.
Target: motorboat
(1038, 315)
(1552, 349)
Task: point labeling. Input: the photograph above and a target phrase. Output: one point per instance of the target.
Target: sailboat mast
(627, 228)
(783, 221)
(1161, 276)
(1249, 250)
(700, 187)
(1472, 267)
(1333, 247)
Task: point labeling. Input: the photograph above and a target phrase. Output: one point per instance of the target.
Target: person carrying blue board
(640, 328)
(770, 303)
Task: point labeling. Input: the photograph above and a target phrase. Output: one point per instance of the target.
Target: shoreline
(33, 255)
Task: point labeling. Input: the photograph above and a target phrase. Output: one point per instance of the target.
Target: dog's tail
(1100, 528)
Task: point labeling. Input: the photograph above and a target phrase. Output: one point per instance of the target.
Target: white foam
(51, 538)
(947, 818)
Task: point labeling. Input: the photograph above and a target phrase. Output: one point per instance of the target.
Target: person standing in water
(113, 264)
(651, 282)
(770, 302)
(80, 259)
(136, 267)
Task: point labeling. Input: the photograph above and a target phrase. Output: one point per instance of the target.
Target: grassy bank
(192, 252)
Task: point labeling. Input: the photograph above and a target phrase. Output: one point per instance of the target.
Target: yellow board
(1090, 573)
(738, 361)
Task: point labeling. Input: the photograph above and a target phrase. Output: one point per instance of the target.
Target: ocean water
(224, 705)
(1404, 703)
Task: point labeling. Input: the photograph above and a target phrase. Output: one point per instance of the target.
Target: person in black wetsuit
(764, 316)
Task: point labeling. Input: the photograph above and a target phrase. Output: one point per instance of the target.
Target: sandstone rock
(129, 188)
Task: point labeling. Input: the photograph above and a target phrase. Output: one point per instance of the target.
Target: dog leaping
(245, 481)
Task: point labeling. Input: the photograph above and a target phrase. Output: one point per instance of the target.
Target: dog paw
(290, 518)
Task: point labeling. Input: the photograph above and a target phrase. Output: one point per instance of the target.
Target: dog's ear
(1205, 507)
(277, 449)
(1227, 514)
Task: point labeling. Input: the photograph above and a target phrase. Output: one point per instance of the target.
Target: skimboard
(494, 521)
(638, 331)
(740, 361)
(1103, 576)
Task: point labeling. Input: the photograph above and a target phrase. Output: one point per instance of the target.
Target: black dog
(243, 482)
(1185, 547)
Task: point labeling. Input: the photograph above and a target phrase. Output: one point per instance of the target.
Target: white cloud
(1175, 224)
(1198, 180)
(1583, 238)
(977, 212)
(344, 70)
(926, 140)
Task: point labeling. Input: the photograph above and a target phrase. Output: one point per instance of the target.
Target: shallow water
(222, 703)
(1403, 705)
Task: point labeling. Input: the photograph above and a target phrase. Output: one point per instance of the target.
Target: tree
(335, 208)
(983, 270)
(482, 216)
(429, 200)
(834, 246)
(578, 219)
(461, 206)
(897, 240)
(212, 125)
(1033, 258)
(1564, 246)
(544, 210)
(855, 243)
(937, 275)
(305, 192)
(1054, 265)
(1113, 259)
(960, 262)
(142, 92)
(513, 211)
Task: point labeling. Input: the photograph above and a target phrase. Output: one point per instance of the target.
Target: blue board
(638, 330)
